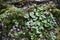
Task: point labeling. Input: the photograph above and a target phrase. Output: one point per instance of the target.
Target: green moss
(32, 25)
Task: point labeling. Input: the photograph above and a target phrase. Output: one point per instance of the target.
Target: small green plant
(36, 24)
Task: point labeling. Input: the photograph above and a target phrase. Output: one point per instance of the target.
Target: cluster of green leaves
(40, 21)
(54, 11)
(37, 24)
(56, 14)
